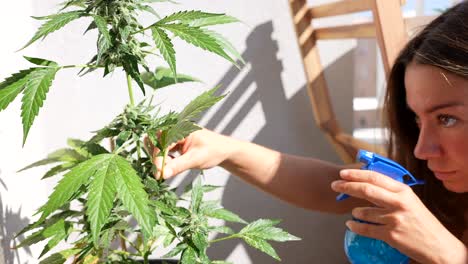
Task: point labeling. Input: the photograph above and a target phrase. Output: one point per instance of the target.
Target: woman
(427, 113)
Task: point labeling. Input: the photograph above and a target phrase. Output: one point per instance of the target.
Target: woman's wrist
(456, 254)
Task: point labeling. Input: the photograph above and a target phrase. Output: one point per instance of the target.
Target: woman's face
(440, 101)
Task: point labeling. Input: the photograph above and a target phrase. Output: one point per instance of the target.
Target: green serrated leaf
(200, 240)
(163, 207)
(226, 45)
(176, 250)
(58, 169)
(41, 62)
(163, 77)
(189, 256)
(34, 95)
(104, 41)
(213, 20)
(178, 132)
(197, 37)
(71, 183)
(224, 214)
(12, 86)
(259, 225)
(197, 195)
(61, 155)
(148, 9)
(275, 234)
(79, 3)
(165, 47)
(130, 65)
(199, 104)
(59, 235)
(60, 257)
(101, 196)
(101, 24)
(55, 22)
(222, 229)
(51, 221)
(186, 16)
(261, 245)
(55, 229)
(131, 192)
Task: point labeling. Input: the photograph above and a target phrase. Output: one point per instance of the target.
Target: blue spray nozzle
(386, 166)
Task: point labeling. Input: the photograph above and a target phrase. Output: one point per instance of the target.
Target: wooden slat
(390, 29)
(302, 19)
(366, 30)
(346, 154)
(343, 7)
(296, 5)
(355, 143)
(340, 8)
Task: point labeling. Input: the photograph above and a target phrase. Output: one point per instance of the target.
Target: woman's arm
(304, 182)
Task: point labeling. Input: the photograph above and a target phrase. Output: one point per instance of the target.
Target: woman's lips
(444, 175)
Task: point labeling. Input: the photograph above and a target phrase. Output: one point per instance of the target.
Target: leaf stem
(125, 239)
(80, 66)
(163, 164)
(224, 238)
(130, 90)
(144, 29)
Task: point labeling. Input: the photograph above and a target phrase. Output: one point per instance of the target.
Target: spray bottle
(364, 250)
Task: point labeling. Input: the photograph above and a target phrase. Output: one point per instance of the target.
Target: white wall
(267, 104)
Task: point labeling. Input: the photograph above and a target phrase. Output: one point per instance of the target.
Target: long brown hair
(444, 44)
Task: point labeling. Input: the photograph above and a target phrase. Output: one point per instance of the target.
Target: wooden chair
(388, 28)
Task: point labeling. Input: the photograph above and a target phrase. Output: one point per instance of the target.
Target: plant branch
(130, 90)
(80, 66)
(224, 238)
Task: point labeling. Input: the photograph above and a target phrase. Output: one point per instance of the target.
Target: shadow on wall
(10, 223)
(289, 127)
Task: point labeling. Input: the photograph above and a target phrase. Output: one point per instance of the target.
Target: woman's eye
(447, 121)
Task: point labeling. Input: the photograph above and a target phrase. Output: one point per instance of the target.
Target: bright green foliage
(102, 190)
(34, 94)
(197, 37)
(164, 44)
(60, 257)
(12, 86)
(163, 77)
(53, 23)
(257, 233)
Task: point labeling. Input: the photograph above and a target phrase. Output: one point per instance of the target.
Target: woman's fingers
(173, 166)
(372, 214)
(373, 178)
(367, 230)
(372, 193)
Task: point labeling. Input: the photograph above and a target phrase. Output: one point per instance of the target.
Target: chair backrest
(388, 27)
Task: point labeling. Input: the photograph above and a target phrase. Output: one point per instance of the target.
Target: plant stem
(130, 90)
(223, 238)
(80, 66)
(163, 164)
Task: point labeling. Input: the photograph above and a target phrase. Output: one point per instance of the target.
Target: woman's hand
(202, 149)
(401, 218)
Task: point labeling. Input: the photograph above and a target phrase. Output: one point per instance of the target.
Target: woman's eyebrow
(444, 105)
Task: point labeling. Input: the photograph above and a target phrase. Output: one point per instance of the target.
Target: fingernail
(334, 184)
(344, 173)
(348, 224)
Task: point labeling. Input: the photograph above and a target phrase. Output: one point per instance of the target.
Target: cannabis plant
(107, 206)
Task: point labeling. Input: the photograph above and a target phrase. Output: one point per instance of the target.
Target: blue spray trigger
(377, 163)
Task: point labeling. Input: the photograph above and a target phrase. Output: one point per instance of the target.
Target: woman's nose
(428, 145)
